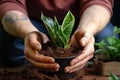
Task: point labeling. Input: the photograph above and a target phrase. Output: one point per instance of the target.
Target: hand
(86, 40)
(32, 49)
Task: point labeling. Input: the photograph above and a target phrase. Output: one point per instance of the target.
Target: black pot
(63, 62)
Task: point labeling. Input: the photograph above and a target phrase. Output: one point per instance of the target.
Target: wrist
(90, 28)
(26, 29)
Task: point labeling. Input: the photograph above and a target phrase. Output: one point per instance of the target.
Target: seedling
(60, 34)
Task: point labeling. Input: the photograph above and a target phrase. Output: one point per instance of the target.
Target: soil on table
(29, 72)
(49, 49)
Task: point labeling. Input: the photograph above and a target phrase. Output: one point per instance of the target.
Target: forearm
(94, 19)
(17, 24)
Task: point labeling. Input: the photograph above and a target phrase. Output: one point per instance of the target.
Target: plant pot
(62, 56)
(63, 62)
(105, 68)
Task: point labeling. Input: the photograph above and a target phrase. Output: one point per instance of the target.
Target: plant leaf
(62, 39)
(113, 77)
(116, 30)
(110, 46)
(101, 44)
(48, 21)
(99, 51)
(49, 24)
(56, 26)
(68, 24)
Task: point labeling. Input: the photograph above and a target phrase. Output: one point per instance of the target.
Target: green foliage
(111, 48)
(113, 77)
(60, 34)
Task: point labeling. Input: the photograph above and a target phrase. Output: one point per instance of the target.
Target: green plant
(110, 46)
(113, 77)
(60, 34)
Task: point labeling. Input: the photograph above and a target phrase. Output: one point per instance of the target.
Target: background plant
(60, 34)
(113, 77)
(110, 46)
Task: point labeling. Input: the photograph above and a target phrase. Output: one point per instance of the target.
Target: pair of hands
(33, 46)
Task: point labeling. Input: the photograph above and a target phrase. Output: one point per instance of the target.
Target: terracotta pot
(63, 62)
(104, 68)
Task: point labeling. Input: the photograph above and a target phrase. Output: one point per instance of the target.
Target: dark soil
(62, 56)
(48, 49)
(28, 72)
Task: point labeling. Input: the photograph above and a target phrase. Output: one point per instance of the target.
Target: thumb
(35, 44)
(84, 40)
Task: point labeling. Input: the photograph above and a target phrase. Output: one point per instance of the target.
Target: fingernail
(52, 60)
(72, 63)
(38, 47)
(57, 70)
(70, 71)
(58, 66)
(83, 42)
(66, 70)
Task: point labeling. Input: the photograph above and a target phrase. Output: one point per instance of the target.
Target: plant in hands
(110, 46)
(60, 34)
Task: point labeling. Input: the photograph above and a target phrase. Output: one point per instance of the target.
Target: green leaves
(50, 25)
(116, 30)
(110, 46)
(68, 24)
(60, 34)
(113, 77)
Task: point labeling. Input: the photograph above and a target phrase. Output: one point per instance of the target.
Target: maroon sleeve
(7, 5)
(108, 4)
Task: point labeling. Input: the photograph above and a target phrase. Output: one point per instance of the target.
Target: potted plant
(59, 46)
(107, 56)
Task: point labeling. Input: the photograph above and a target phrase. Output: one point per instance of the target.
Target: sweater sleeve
(8, 5)
(108, 4)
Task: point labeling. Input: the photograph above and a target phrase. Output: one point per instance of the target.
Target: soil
(29, 72)
(48, 49)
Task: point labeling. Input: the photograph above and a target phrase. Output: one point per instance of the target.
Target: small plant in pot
(59, 46)
(108, 54)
